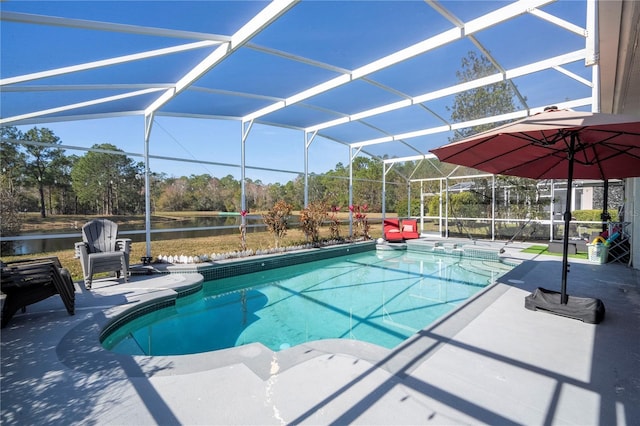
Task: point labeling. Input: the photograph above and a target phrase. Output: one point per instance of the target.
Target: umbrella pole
(567, 222)
(605, 217)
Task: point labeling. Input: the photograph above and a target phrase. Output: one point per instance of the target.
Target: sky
(342, 34)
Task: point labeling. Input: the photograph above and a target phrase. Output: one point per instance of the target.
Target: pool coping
(246, 265)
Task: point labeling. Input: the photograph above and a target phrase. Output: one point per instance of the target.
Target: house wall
(582, 198)
(587, 198)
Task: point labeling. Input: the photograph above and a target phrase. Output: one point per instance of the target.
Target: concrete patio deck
(490, 362)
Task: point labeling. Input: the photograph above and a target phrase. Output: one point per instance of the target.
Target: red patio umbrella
(554, 144)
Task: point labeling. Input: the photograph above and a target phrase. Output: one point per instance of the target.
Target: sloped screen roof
(374, 74)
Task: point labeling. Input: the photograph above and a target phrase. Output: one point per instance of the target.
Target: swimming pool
(377, 297)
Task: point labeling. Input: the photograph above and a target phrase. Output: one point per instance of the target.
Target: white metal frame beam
(69, 107)
(444, 38)
(258, 23)
(148, 125)
(27, 18)
(412, 158)
(487, 120)
(82, 87)
(106, 62)
(459, 88)
(457, 22)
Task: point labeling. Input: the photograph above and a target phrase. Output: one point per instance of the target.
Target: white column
(148, 124)
(552, 209)
(350, 191)
(421, 207)
(246, 128)
(440, 209)
(493, 207)
(308, 139)
(593, 53)
(632, 193)
(446, 210)
(352, 155)
(384, 193)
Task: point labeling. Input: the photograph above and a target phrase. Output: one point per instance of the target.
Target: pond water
(183, 228)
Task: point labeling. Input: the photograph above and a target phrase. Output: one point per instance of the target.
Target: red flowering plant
(243, 230)
(360, 222)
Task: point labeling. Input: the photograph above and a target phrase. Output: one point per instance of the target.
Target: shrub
(360, 221)
(466, 204)
(311, 219)
(433, 206)
(401, 207)
(243, 230)
(277, 220)
(10, 220)
(334, 226)
(593, 215)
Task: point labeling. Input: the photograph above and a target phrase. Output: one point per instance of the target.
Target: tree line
(104, 181)
(38, 176)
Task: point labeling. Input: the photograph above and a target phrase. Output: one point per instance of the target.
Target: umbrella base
(581, 308)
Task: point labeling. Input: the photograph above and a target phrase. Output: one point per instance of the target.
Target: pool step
(446, 248)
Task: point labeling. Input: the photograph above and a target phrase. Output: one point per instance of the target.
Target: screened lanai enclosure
(507, 208)
(335, 100)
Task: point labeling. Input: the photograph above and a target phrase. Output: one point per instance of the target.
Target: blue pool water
(378, 297)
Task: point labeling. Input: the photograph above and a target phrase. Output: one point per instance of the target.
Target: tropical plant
(243, 230)
(334, 225)
(277, 220)
(360, 221)
(311, 218)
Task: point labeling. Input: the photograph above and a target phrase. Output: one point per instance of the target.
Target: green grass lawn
(194, 246)
(545, 250)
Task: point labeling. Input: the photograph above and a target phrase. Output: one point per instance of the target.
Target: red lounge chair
(410, 229)
(392, 230)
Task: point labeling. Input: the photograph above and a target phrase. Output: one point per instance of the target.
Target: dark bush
(593, 215)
